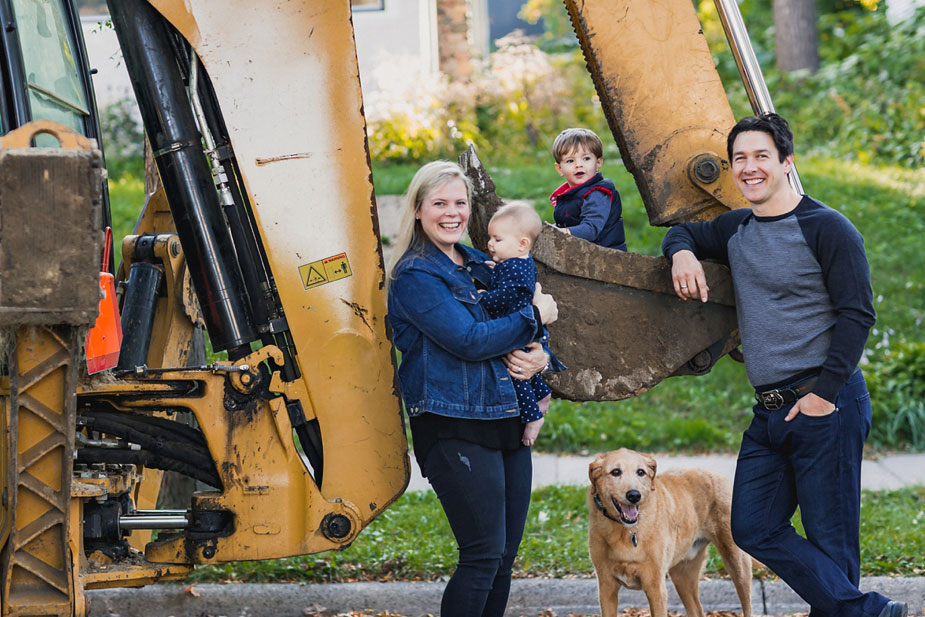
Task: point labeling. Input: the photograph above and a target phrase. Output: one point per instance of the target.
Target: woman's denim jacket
(451, 351)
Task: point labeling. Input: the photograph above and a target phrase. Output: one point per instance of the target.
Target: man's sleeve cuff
(828, 386)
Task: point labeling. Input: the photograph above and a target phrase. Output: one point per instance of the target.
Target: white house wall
(404, 31)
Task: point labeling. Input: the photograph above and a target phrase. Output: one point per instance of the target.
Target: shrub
(418, 115)
(513, 107)
(895, 373)
(866, 102)
(123, 139)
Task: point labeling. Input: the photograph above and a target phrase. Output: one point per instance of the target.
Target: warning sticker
(325, 270)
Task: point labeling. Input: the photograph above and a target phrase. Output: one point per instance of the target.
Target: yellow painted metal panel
(287, 80)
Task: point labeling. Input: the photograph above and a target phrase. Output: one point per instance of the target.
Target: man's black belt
(772, 400)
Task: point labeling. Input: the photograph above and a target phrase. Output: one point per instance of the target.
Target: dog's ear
(651, 466)
(596, 468)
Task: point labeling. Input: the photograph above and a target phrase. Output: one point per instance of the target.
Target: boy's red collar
(565, 188)
(559, 191)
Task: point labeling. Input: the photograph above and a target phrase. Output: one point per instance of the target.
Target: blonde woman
(456, 379)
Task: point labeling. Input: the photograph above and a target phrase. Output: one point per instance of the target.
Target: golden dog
(642, 529)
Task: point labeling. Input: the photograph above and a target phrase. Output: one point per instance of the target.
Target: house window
(367, 5)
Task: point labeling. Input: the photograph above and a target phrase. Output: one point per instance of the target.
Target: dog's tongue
(629, 512)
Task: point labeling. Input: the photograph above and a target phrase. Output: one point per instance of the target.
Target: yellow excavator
(265, 236)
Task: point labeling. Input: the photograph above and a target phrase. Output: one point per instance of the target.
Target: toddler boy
(512, 232)
(587, 205)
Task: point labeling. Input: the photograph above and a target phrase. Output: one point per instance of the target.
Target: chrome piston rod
(154, 521)
(749, 69)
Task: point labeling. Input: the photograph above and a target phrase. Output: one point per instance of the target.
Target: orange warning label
(325, 270)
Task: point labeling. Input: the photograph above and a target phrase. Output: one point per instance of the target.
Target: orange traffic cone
(105, 338)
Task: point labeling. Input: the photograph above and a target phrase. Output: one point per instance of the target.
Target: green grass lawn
(412, 541)
(708, 413)
(887, 204)
(126, 199)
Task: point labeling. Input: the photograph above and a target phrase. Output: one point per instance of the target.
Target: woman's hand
(546, 304)
(525, 364)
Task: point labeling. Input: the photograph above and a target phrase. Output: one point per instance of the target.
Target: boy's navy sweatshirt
(592, 211)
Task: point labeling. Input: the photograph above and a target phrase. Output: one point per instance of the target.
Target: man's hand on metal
(688, 277)
(810, 405)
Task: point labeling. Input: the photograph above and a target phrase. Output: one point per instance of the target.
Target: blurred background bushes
(865, 103)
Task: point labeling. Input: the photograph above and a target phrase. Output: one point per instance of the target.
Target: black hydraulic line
(149, 459)
(145, 39)
(184, 451)
(138, 309)
(150, 424)
(255, 266)
(242, 233)
(309, 433)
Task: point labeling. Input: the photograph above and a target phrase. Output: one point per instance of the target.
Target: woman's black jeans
(485, 494)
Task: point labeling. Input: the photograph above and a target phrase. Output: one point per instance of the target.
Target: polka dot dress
(512, 285)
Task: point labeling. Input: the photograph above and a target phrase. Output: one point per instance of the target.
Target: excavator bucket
(621, 328)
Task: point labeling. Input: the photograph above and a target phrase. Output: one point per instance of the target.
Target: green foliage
(558, 33)
(412, 541)
(895, 375)
(123, 140)
(865, 103)
(706, 414)
(514, 105)
(866, 100)
(126, 197)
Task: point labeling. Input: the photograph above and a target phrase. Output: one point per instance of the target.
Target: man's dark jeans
(485, 494)
(814, 462)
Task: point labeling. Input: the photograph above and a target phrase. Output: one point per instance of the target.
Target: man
(805, 308)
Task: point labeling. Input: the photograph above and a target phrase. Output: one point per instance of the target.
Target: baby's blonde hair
(526, 219)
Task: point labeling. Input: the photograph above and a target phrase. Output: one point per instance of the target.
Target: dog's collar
(600, 506)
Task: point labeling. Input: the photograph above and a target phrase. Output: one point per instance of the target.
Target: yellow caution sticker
(325, 270)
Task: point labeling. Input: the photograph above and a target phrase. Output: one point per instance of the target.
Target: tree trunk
(796, 35)
(453, 39)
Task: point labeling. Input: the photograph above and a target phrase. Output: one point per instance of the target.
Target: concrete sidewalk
(885, 472)
(529, 598)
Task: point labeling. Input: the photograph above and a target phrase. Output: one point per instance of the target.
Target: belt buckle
(772, 400)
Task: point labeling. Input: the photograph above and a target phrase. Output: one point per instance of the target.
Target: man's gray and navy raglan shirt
(802, 288)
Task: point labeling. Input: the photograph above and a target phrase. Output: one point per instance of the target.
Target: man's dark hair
(769, 123)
